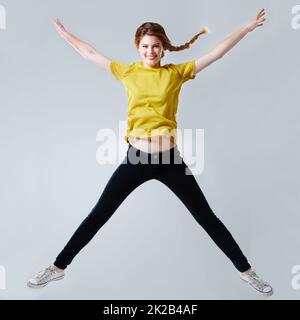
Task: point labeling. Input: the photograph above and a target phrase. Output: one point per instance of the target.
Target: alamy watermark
(2, 278)
(296, 279)
(112, 148)
(2, 17)
(295, 23)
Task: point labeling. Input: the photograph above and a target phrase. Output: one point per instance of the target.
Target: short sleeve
(186, 70)
(119, 69)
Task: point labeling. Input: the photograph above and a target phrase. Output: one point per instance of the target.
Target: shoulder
(121, 69)
(186, 70)
(181, 66)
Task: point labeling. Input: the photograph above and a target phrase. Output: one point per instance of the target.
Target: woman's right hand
(59, 26)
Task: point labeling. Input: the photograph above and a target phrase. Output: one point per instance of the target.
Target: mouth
(151, 57)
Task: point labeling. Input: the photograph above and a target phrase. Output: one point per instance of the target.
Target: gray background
(53, 103)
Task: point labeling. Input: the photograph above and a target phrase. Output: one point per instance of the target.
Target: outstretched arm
(219, 50)
(83, 48)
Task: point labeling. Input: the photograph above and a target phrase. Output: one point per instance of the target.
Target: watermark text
(2, 17)
(296, 277)
(295, 23)
(183, 145)
(2, 278)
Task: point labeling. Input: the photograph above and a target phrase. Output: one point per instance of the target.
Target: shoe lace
(44, 274)
(259, 282)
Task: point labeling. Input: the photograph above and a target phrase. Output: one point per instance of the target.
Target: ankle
(246, 272)
(57, 269)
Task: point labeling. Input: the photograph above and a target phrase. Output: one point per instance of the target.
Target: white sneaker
(257, 283)
(45, 276)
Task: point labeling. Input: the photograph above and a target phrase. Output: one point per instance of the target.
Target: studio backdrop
(243, 115)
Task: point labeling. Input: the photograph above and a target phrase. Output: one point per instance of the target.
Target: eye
(145, 46)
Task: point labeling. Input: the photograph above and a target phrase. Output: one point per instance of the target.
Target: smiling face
(150, 50)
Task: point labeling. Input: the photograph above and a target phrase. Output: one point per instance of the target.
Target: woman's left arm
(223, 47)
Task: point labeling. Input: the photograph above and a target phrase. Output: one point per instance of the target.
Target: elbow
(89, 54)
(91, 51)
(219, 56)
(216, 55)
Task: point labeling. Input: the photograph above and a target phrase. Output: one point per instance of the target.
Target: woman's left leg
(188, 191)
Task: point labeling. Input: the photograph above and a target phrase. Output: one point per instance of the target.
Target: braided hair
(155, 29)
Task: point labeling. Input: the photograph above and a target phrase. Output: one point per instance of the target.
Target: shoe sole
(38, 286)
(266, 294)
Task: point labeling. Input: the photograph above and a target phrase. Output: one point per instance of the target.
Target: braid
(155, 29)
(188, 44)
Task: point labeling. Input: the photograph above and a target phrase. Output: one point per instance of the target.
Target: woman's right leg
(123, 181)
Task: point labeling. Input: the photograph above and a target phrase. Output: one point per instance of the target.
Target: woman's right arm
(83, 48)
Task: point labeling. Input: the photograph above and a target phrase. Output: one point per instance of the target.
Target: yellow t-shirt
(152, 96)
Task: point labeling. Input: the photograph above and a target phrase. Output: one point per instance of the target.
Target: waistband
(135, 156)
(171, 150)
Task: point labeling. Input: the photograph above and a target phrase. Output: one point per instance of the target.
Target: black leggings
(137, 168)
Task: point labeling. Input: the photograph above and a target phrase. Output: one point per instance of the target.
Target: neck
(149, 66)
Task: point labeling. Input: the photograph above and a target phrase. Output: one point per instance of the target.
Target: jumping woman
(153, 90)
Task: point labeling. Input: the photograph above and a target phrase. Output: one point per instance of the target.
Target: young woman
(153, 91)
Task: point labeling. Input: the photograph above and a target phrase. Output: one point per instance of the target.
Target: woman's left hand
(257, 22)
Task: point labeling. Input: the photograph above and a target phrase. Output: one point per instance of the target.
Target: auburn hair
(155, 29)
